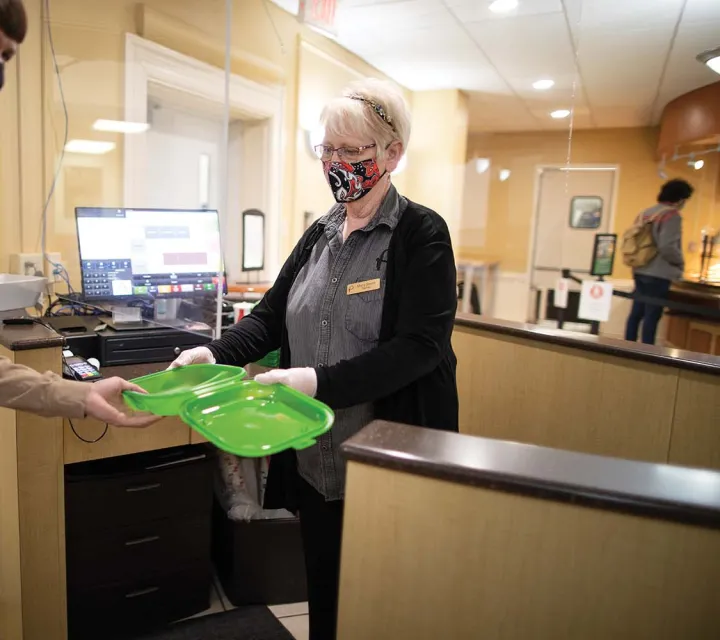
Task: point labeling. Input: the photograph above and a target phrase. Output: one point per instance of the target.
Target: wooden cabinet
(138, 532)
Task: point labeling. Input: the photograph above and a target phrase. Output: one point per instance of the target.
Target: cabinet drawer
(141, 550)
(101, 497)
(137, 606)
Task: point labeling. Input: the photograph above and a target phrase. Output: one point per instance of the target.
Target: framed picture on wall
(603, 258)
(253, 229)
(586, 212)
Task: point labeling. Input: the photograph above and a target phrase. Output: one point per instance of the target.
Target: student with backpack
(653, 248)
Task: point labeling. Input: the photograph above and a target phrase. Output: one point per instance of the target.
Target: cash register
(156, 273)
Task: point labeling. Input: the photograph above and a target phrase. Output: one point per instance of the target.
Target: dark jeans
(647, 314)
(321, 526)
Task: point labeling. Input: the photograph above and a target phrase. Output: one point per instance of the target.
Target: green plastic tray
(254, 420)
(168, 391)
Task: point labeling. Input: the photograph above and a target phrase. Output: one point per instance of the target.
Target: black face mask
(2, 75)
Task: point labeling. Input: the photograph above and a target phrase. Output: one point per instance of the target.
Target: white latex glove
(303, 380)
(198, 355)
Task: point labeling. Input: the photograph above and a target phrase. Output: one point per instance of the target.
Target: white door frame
(539, 169)
(147, 62)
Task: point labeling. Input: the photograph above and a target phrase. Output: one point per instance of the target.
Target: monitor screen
(127, 253)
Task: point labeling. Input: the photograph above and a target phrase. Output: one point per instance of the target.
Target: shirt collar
(387, 214)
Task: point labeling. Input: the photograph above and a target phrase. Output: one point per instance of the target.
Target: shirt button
(334, 280)
(324, 323)
(321, 365)
(324, 447)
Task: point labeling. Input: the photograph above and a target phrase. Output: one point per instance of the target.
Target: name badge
(363, 287)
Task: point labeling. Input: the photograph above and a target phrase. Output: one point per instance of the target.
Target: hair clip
(377, 108)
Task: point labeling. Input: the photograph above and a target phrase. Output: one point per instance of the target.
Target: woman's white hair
(369, 108)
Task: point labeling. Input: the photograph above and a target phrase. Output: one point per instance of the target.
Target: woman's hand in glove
(198, 355)
(303, 380)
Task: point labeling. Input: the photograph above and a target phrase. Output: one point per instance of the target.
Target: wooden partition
(32, 516)
(448, 536)
(601, 396)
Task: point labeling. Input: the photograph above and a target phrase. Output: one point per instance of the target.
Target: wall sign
(603, 257)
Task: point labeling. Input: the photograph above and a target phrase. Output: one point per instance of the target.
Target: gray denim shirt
(330, 320)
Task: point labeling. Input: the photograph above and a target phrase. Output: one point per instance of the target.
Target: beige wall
(436, 158)
(510, 204)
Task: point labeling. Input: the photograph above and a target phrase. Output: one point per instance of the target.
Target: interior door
(184, 155)
(573, 205)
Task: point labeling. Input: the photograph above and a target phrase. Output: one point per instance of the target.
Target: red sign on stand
(319, 14)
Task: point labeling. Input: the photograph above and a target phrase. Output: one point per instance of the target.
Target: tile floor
(294, 617)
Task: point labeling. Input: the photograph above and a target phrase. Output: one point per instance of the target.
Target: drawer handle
(144, 487)
(175, 463)
(132, 543)
(142, 592)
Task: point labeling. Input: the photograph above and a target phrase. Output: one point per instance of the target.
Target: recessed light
(698, 164)
(94, 147)
(482, 165)
(559, 114)
(711, 58)
(120, 126)
(543, 85)
(502, 6)
(504, 174)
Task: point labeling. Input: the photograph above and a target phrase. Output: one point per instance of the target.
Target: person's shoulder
(418, 219)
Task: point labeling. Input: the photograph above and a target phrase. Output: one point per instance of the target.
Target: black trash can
(260, 561)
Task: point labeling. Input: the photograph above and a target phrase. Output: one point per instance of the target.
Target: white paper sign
(562, 286)
(595, 301)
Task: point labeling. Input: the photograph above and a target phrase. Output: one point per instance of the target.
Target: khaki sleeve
(45, 394)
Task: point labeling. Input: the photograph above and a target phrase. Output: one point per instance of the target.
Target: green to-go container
(254, 420)
(168, 391)
(239, 416)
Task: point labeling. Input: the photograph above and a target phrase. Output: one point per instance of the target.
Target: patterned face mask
(350, 182)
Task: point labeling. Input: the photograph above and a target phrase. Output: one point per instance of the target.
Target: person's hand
(303, 380)
(198, 355)
(104, 403)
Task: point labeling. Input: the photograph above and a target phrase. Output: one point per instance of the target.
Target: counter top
(29, 336)
(681, 494)
(677, 358)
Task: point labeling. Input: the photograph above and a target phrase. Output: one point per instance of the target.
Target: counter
(586, 393)
(448, 536)
(695, 332)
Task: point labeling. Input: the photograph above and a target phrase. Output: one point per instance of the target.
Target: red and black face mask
(350, 182)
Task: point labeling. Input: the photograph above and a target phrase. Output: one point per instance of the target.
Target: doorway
(573, 204)
(187, 90)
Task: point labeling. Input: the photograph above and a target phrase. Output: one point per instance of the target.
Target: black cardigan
(410, 375)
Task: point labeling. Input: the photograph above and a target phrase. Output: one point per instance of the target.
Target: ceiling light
(95, 147)
(543, 85)
(559, 114)
(504, 174)
(503, 6)
(482, 165)
(698, 164)
(120, 126)
(711, 58)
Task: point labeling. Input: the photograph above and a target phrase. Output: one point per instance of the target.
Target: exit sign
(319, 14)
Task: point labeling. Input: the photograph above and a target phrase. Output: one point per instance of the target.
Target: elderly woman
(363, 313)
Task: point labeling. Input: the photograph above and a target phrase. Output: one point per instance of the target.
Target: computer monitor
(148, 253)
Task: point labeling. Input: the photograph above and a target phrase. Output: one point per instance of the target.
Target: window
(586, 212)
